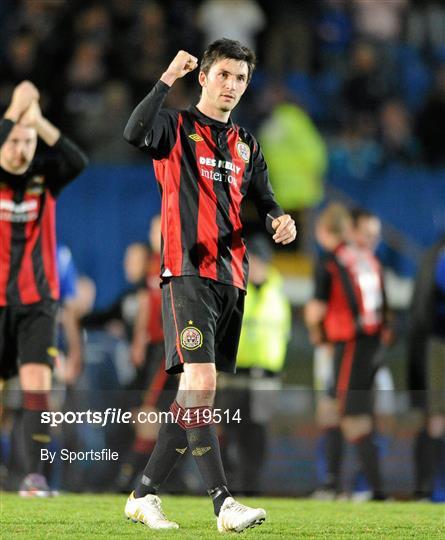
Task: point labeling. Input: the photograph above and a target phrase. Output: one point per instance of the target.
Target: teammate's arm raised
(24, 93)
(70, 160)
(33, 117)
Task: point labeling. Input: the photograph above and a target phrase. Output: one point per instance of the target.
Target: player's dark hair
(360, 213)
(228, 48)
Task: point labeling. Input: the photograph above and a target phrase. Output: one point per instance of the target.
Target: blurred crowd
(370, 75)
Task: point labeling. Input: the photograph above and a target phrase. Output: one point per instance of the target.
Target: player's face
(224, 84)
(367, 233)
(19, 149)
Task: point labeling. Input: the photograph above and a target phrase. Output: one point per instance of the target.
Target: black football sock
(334, 452)
(424, 453)
(170, 447)
(204, 446)
(369, 461)
(36, 435)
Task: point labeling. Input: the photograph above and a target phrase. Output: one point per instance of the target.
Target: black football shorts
(202, 322)
(27, 335)
(355, 369)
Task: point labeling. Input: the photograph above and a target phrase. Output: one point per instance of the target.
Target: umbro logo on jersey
(200, 451)
(195, 137)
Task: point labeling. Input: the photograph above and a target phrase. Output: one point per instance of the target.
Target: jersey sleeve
(260, 189)
(322, 280)
(6, 126)
(66, 162)
(151, 128)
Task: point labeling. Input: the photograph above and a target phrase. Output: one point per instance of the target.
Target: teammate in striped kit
(205, 165)
(29, 287)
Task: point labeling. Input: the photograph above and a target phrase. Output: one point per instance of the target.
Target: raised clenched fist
(181, 64)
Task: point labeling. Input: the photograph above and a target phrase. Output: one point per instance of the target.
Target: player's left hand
(285, 229)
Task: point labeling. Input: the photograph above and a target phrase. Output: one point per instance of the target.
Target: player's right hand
(31, 116)
(181, 64)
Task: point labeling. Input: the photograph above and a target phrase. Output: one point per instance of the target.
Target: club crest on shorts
(191, 338)
(243, 151)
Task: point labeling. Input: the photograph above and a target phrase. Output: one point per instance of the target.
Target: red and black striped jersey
(204, 169)
(28, 270)
(350, 281)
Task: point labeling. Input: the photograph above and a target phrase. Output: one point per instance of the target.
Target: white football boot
(235, 517)
(148, 510)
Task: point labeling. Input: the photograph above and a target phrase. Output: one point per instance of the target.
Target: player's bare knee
(327, 414)
(200, 377)
(200, 384)
(35, 377)
(355, 427)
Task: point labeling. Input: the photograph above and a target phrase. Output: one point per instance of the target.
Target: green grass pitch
(95, 516)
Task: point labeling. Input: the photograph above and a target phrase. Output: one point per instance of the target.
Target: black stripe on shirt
(189, 200)
(223, 196)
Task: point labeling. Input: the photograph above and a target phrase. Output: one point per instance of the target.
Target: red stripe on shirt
(49, 245)
(238, 247)
(168, 173)
(207, 229)
(344, 377)
(26, 280)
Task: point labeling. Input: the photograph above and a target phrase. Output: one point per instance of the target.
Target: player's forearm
(47, 131)
(314, 313)
(144, 115)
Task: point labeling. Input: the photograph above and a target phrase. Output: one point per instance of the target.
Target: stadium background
(369, 81)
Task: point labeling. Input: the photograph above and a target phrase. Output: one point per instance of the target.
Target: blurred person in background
(120, 317)
(430, 120)
(149, 48)
(365, 87)
(288, 41)
(83, 93)
(111, 377)
(347, 311)
(399, 145)
(334, 34)
(380, 20)
(366, 235)
(29, 288)
(296, 154)
(70, 335)
(261, 355)
(426, 371)
(240, 20)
